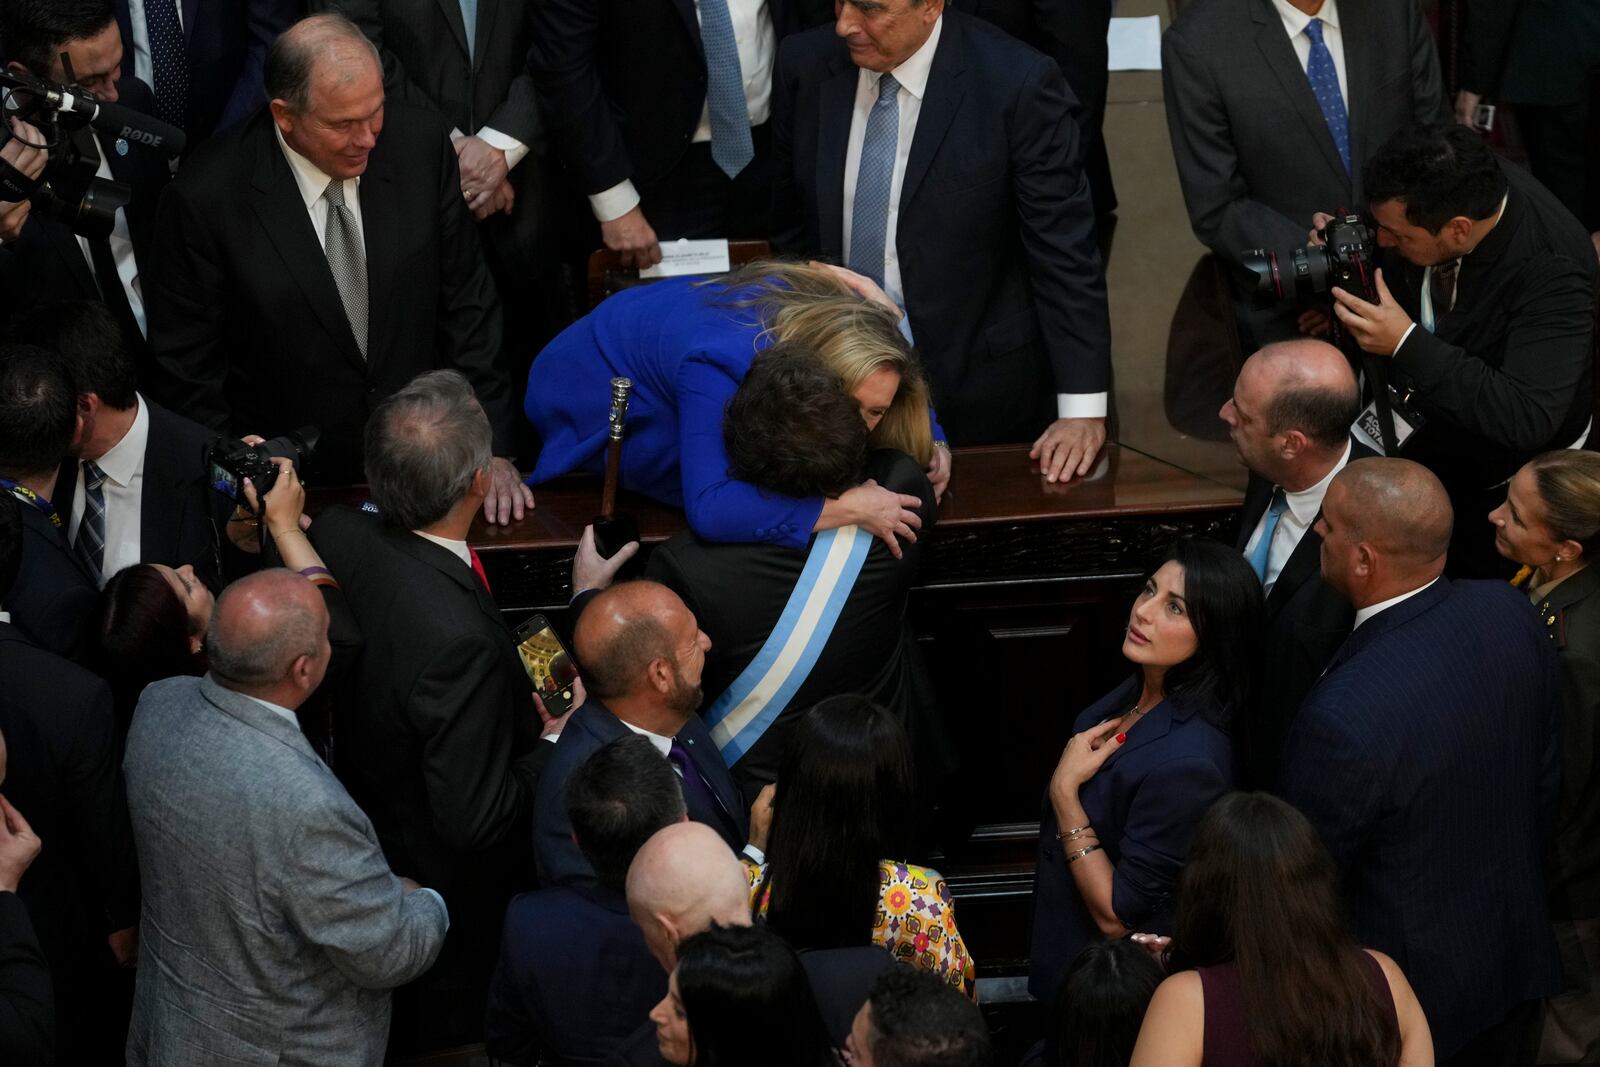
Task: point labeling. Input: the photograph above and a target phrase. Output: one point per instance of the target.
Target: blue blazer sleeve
(721, 508)
(1155, 842)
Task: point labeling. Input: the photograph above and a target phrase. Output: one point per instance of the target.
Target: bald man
(681, 881)
(312, 261)
(641, 654)
(1425, 758)
(1290, 417)
(273, 928)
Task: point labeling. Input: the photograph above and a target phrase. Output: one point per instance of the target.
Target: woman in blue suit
(1146, 761)
(686, 345)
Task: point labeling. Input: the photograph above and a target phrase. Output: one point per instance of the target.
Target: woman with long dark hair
(1146, 761)
(843, 817)
(739, 996)
(1270, 975)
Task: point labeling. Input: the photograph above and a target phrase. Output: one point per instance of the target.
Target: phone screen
(549, 666)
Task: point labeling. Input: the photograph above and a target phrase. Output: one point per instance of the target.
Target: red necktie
(477, 568)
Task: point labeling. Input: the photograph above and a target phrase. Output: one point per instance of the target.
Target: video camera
(1342, 261)
(231, 461)
(69, 190)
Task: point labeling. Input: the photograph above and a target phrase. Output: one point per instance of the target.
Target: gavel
(612, 529)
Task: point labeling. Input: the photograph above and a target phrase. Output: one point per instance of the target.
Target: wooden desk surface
(996, 484)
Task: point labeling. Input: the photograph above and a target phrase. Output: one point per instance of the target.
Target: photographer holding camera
(1485, 313)
(83, 234)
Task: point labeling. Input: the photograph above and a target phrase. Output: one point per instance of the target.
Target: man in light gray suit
(1275, 106)
(272, 928)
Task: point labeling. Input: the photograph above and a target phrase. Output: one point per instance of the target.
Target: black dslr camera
(1342, 261)
(230, 462)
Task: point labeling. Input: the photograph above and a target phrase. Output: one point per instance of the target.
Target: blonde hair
(806, 305)
(1568, 482)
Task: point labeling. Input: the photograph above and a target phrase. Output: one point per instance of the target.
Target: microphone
(118, 121)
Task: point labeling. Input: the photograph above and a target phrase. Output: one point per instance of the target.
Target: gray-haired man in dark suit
(273, 928)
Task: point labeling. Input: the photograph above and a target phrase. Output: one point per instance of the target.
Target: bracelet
(1074, 832)
(313, 572)
(286, 533)
(1074, 857)
(942, 444)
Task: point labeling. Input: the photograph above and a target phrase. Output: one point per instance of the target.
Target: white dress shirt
(312, 183)
(123, 489)
(913, 78)
(1298, 517)
(142, 67)
(1294, 22)
(757, 43)
(121, 242)
(1368, 612)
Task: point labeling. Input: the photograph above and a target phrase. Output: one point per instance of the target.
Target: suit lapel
(1303, 562)
(191, 12)
(451, 10)
(837, 102)
(275, 199)
(161, 510)
(691, 22)
(1280, 58)
(1257, 495)
(703, 751)
(940, 102)
(379, 210)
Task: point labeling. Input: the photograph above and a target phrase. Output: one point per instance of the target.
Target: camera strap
(1378, 379)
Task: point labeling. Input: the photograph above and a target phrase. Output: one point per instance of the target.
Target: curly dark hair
(1438, 173)
(792, 428)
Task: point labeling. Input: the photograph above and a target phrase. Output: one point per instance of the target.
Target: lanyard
(28, 496)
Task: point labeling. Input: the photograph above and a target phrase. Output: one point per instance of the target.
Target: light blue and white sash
(741, 715)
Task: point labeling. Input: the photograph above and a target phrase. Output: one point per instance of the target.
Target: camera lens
(1263, 267)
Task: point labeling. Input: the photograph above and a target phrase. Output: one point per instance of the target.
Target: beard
(685, 698)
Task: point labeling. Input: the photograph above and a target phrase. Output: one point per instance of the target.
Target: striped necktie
(91, 543)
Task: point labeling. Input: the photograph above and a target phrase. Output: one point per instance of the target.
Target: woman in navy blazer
(686, 344)
(1146, 761)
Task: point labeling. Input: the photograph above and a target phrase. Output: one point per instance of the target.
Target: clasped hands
(485, 177)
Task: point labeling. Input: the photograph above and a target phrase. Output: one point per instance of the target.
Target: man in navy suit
(1426, 759)
(642, 654)
(1290, 417)
(935, 154)
(575, 976)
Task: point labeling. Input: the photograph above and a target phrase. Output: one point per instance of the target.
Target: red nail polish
(1121, 738)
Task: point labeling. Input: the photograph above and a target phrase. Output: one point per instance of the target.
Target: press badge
(1406, 422)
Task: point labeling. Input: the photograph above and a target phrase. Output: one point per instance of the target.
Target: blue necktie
(1263, 549)
(469, 19)
(731, 146)
(869, 218)
(169, 61)
(92, 528)
(1324, 78)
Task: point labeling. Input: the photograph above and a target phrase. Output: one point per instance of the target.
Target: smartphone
(548, 663)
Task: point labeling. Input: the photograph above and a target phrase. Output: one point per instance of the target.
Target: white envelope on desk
(684, 256)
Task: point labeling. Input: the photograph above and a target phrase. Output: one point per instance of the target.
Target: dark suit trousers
(1512, 1042)
(696, 199)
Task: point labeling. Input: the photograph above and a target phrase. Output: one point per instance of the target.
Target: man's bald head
(1385, 529)
(622, 631)
(1291, 410)
(684, 879)
(321, 51)
(269, 630)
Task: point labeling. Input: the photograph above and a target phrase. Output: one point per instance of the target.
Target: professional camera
(69, 190)
(231, 461)
(1342, 261)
